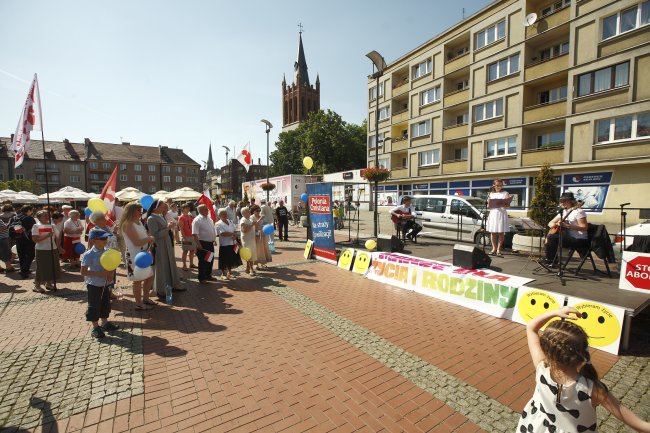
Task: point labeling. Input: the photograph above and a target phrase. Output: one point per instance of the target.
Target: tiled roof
(55, 150)
(176, 156)
(123, 152)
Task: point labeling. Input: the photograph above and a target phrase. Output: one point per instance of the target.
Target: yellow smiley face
(362, 262)
(308, 245)
(534, 303)
(345, 261)
(600, 324)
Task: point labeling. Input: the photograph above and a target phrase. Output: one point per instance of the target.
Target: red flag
(245, 157)
(108, 195)
(30, 120)
(204, 199)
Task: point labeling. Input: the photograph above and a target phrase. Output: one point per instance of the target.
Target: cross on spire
(300, 27)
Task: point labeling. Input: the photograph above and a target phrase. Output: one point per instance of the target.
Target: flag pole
(47, 186)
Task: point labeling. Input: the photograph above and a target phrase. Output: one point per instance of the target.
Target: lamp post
(229, 169)
(268, 130)
(379, 65)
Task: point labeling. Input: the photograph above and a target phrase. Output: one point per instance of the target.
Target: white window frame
(634, 133)
(545, 140)
(75, 168)
(384, 112)
(483, 38)
(554, 51)
(93, 165)
(422, 69)
(373, 91)
(430, 96)
(138, 178)
(152, 178)
(122, 167)
(19, 176)
(166, 169)
(137, 167)
(554, 95)
(488, 110)
(75, 178)
(372, 141)
(123, 178)
(638, 24)
(384, 163)
(553, 7)
(421, 129)
(429, 158)
(167, 179)
(106, 165)
(463, 150)
(152, 168)
(179, 179)
(152, 188)
(179, 170)
(504, 67)
(504, 143)
(594, 78)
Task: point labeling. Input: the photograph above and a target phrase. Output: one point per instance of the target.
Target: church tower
(300, 98)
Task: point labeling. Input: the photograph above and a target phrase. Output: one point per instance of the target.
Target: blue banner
(322, 221)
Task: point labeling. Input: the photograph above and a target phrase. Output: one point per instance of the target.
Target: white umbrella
(68, 193)
(184, 194)
(25, 197)
(129, 194)
(160, 195)
(7, 194)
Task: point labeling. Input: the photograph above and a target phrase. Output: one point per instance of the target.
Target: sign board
(322, 221)
(346, 259)
(308, 247)
(603, 323)
(534, 302)
(635, 272)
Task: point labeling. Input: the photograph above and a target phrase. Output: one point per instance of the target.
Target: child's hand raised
(568, 313)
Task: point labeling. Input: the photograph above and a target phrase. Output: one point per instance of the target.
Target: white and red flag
(30, 120)
(205, 199)
(245, 157)
(108, 195)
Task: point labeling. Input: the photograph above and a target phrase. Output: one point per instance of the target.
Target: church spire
(210, 163)
(301, 76)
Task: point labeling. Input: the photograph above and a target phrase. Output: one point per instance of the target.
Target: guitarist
(573, 223)
(404, 216)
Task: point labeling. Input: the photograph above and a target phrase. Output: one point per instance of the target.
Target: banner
(635, 272)
(535, 302)
(482, 290)
(322, 221)
(603, 323)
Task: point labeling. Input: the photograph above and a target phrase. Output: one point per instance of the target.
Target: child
(97, 279)
(568, 389)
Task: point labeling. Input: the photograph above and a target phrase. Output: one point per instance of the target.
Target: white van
(453, 217)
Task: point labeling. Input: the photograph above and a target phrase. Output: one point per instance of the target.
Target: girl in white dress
(497, 222)
(247, 229)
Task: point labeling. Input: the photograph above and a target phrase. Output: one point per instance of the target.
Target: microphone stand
(623, 244)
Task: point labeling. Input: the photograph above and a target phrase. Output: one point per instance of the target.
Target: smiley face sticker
(599, 322)
(308, 247)
(346, 259)
(362, 262)
(534, 303)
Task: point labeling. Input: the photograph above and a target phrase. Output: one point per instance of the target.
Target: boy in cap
(97, 279)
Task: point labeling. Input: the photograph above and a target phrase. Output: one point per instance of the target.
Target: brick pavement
(303, 347)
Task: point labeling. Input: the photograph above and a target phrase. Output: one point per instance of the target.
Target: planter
(528, 244)
(303, 221)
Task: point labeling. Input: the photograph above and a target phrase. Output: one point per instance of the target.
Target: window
(422, 69)
(561, 4)
(550, 139)
(626, 20)
(106, 165)
(152, 167)
(373, 91)
(503, 67)
(137, 167)
(123, 178)
(94, 176)
(138, 178)
(179, 178)
(166, 169)
(139, 187)
(75, 167)
(384, 113)
(488, 110)
(122, 167)
(93, 165)
(372, 141)
(460, 154)
(152, 178)
(20, 176)
(430, 157)
(420, 129)
(623, 128)
(166, 179)
(105, 177)
(452, 54)
(603, 79)
(553, 95)
(462, 85)
(179, 169)
(40, 177)
(437, 205)
(152, 189)
(430, 96)
(75, 179)
(2, 176)
(554, 51)
(490, 35)
(501, 147)
(462, 119)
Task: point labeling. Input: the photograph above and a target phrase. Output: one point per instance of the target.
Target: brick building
(300, 98)
(234, 174)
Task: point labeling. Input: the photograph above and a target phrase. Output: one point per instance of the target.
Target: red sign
(319, 204)
(637, 272)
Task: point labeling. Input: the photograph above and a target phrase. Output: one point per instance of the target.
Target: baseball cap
(98, 234)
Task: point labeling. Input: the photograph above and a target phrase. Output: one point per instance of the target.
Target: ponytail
(588, 371)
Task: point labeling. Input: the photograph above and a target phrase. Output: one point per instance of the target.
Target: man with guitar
(572, 222)
(404, 216)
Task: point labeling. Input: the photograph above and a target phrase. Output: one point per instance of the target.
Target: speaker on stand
(470, 257)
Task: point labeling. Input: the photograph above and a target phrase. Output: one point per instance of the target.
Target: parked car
(642, 229)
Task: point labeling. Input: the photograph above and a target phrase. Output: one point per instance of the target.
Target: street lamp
(268, 130)
(379, 64)
(229, 168)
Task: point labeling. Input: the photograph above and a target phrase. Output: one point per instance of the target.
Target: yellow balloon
(308, 162)
(371, 244)
(97, 205)
(245, 253)
(110, 260)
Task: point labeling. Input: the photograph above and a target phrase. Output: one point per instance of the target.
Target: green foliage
(332, 143)
(545, 200)
(21, 185)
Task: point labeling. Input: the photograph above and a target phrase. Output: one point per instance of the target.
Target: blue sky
(184, 73)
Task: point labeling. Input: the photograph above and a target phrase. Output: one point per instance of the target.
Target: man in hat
(572, 221)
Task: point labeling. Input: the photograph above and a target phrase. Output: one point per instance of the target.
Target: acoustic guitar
(558, 227)
(395, 218)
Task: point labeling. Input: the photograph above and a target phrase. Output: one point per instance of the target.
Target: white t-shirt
(203, 228)
(222, 227)
(76, 228)
(47, 243)
(575, 215)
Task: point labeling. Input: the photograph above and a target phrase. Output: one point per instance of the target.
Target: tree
(333, 144)
(21, 185)
(545, 200)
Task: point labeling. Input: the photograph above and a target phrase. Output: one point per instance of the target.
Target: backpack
(16, 229)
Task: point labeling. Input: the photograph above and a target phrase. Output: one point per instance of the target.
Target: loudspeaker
(470, 257)
(389, 243)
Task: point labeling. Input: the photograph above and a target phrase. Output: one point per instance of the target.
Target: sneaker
(108, 327)
(98, 333)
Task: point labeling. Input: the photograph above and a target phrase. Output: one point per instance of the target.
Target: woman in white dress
(497, 222)
(137, 240)
(247, 229)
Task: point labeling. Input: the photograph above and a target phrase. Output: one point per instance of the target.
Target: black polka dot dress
(558, 408)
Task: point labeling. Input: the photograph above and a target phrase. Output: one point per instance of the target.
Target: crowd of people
(70, 243)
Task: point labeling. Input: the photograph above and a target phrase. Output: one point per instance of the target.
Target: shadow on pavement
(46, 418)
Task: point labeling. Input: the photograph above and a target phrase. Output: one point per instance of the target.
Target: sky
(189, 73)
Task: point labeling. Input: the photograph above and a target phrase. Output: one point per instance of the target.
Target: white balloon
(140, 274)
(14, 250)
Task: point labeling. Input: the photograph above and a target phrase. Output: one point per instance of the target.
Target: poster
(346, 258)
(591, 188)
(635, 272)
(322, 221)
(533, 302)
(603, 323)
(482, 290)
(308, 247)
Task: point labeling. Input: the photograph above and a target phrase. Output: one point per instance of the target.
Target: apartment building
(517, 84)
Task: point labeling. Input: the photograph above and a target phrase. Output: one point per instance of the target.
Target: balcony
(399, 173)
(454, 166)
(456, 97)
(457, 62)
(539, 112)
(552, 155)
(546, 67)
(452, 132)
(400, 116)
(100, 169)
(400, 87)
(554, 19)
(399, 144)
(50, 170)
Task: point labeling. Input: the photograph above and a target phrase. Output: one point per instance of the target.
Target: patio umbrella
(129, 194)
(67, 193)
(7, 194)
(184, 194)
(26, 197)
(160, 195)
